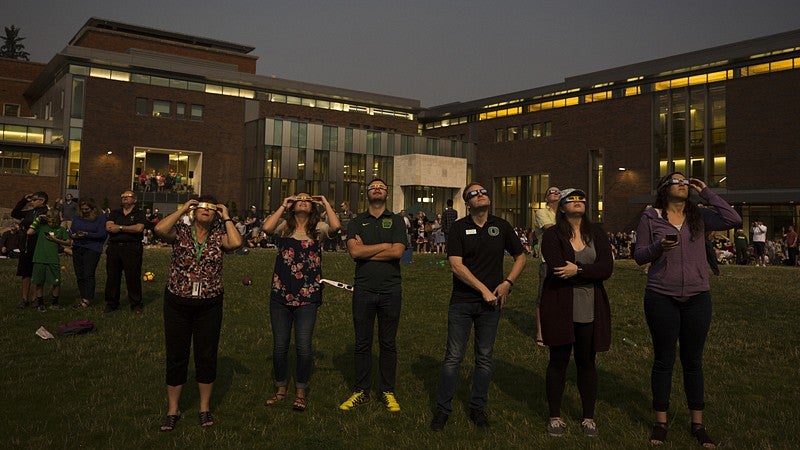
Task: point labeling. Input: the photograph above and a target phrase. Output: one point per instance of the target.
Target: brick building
(122, 99)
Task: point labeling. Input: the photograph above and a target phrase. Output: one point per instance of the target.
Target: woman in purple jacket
(677, 300)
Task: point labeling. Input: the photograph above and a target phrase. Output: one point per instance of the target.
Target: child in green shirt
(46, 268)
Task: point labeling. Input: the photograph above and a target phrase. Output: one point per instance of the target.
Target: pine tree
(12, 45)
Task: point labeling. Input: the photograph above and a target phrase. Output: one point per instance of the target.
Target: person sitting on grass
(46, 269)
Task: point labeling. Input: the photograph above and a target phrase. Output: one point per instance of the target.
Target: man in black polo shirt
(125, 227)
(476, 247)
(376, 240)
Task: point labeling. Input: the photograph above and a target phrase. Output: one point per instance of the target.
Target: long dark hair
(693, 218)
(291, 222)
(565, 228)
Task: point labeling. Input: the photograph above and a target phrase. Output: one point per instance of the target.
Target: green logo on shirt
(386, 223)
(493, 231)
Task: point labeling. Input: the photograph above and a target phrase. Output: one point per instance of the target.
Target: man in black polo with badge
(125, 227)
(476, 248)
(376, 240)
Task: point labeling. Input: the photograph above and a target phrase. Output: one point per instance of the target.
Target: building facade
(122, 100)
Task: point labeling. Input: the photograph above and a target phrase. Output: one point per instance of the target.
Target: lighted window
(498, 135)
(513, 133)
(180, 110)
(161, 108)
(196, 112)
(548, 128)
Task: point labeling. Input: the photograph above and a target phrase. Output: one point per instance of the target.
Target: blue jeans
(85, 262)
(282, 317)
(671, 321)
(366, 307)
(461, 317)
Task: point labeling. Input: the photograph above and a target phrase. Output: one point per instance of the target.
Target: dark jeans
(125, 258)
(671, 321)
(282, 317)
(85, 263)
(366, 307)
(188, 320)
(556, 377)
(461, 318)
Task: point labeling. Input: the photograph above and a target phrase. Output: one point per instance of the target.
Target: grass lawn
(106, 390)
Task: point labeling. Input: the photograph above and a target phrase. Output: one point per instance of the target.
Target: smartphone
(671, 237)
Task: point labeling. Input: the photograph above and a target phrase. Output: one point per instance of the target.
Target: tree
(12, 45)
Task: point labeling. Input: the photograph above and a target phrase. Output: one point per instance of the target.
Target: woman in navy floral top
(193, 298)
(296, 287)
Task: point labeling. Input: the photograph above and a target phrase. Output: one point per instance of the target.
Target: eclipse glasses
(574, 198)
(472, 194)
(304, 198)
(678, 181)
(377, 186)
(205, 205)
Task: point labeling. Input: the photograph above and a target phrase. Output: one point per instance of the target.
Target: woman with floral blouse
(193, 298)
(296, 287)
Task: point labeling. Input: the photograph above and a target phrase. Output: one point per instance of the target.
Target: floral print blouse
(187, 268)
(298, 271)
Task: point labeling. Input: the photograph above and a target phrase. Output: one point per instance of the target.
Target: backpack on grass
(76, 328)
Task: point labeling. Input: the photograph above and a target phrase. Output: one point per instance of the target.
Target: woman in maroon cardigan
(575, 312)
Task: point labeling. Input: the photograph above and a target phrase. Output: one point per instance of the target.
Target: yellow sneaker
(390, 401)
(358, 398)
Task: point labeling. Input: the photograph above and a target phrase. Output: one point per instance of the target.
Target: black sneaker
(41, 307)
(439, 420)
(479, 418)
(23, 304)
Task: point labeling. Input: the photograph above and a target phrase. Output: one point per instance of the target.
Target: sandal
(299, 404)
(659, 434)
(206, 419)
(275, 399)
(170, 421)
(699, 433)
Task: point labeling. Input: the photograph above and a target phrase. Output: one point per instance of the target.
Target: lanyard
(199, 248)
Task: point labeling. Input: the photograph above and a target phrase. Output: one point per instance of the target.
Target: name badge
(472, 231)
(196, 288)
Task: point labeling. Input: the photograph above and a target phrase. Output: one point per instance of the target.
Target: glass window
(78, 85)
(298, 137)
(354, 168)
(159, 81)
(537, 130)
(390, 144)
(197, 112)
(548, 128)
(301, 164)
(330, 138)
(15, 133)
(498, 135)
(192, 86)
(348, 139)
(35, 135)
(180, 110)
(373, 142)
(432, 146)
(161, 108)
(277, 137)
(321, 164)
(526, 132)
(513, 133)
(141, 106)
(11, 109)
(139, 78)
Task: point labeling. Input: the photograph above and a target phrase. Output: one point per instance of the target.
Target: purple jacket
(682, 271)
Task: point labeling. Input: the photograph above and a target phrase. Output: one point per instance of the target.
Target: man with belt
(125, 227)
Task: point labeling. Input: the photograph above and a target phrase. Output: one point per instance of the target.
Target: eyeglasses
(553, 191)
(337, 284)
(206, 205)
(303, 198)
(377, 186)
(678, 181)
(472, 194)
(574, 198)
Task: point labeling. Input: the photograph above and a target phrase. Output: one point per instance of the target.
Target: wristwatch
(580, 270)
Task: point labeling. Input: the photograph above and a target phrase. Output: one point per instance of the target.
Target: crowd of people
(676, 238)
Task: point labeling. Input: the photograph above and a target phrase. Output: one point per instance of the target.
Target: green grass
(106, 390)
